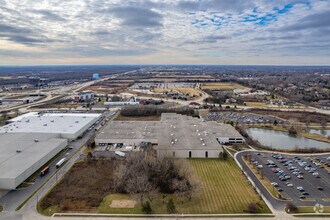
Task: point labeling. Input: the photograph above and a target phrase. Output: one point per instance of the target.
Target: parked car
(274, 184)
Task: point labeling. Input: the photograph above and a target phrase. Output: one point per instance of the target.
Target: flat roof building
(22, 154)
(175, 135)
(128, 133)
(68, 126)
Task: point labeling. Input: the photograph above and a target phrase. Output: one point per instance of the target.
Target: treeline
(155, 111)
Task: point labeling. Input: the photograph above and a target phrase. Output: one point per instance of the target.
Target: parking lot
(306, 180)
(242, 118)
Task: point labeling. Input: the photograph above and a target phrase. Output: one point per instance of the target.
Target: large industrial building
(31, 140)
(175, 135)
(128, 133)
(68, 126)
(22, 154)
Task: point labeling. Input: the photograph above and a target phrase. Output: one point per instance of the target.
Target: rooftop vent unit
(45, 124)
(18, 151)
(76, 121)
(36, 140)
(84, 116)
(27, 121)
(52, 121)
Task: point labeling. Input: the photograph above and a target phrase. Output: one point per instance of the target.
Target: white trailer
(119, 153)
(59, 163)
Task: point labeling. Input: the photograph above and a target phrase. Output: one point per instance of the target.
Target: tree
(223, 154)
(275, 122)
(292, 131)
(170, 206)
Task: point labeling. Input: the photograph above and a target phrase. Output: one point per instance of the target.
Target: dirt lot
(73, 193)
(304, 117)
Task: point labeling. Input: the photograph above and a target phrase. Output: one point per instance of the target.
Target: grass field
(224, 190)
(257, 104)
(190, 91)
(222, 86)
(310, 209)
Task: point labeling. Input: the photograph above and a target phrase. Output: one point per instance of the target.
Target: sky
(223, 32)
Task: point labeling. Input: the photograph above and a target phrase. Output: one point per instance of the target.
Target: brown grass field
(190, 91)
(222, 86)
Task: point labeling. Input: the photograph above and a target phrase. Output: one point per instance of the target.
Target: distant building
(96, 76)
(36, 81)
(131, 101)
(86, 96)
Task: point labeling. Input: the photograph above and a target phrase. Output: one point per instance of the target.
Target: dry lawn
(300, 116)
(190, 91)
(83, 187)
(222, 86)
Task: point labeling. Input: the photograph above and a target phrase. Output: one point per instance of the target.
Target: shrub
(292, 131)
(223, 155)
(146, 208)
(252, 208)
(171, 207)
(290, 207)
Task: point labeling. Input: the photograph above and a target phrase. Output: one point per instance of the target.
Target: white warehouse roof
(68, 125)
(22, 154)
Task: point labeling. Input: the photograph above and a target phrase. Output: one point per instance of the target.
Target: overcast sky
(280, 32)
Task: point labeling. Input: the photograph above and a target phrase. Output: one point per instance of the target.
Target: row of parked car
(290, 165)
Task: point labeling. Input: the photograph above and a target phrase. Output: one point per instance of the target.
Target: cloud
(314, 21)
(48, 15)
(137, 16)
(157, 31)
(21, 35)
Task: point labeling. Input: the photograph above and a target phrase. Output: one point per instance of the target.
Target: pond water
(320, 132)
(282, 140)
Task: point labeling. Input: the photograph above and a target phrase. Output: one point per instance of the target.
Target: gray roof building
(22, 154)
